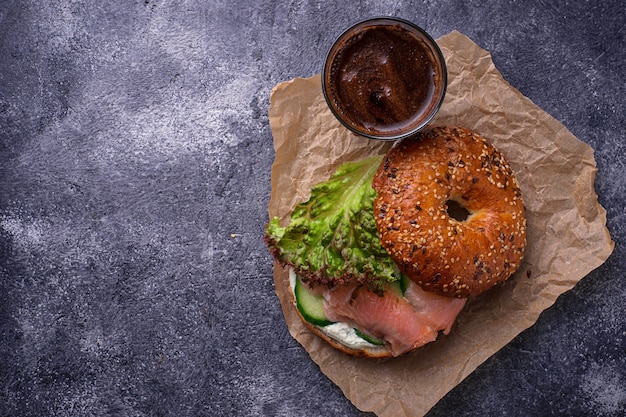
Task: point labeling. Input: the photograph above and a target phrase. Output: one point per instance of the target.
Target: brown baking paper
(566, 232)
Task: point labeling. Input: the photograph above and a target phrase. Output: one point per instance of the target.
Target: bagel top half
(449, 211)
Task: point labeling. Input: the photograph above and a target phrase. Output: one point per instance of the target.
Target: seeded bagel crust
(417, 181)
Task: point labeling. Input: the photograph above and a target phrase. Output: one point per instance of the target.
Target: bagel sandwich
(384, 254)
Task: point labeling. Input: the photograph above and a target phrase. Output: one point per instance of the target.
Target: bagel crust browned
(417, 183)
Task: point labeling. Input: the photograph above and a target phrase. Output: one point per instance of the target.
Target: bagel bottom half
(341, 336)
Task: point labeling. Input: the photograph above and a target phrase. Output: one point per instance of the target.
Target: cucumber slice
(400, 286)
(368, 338)
(404, 283)
(396, 287)
(310, 305)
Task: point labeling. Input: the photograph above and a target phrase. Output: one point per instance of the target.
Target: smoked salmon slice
(404, 323)
(438, 311)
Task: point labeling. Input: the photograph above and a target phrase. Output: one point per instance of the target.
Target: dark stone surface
(135, 155)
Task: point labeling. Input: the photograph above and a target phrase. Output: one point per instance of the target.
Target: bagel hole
(457, 211)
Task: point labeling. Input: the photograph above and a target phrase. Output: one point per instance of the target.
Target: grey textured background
(135, 155)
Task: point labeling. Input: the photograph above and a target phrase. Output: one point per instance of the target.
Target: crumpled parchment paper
(566, 227)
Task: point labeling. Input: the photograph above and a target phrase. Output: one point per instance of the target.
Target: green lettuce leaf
(332, 238)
